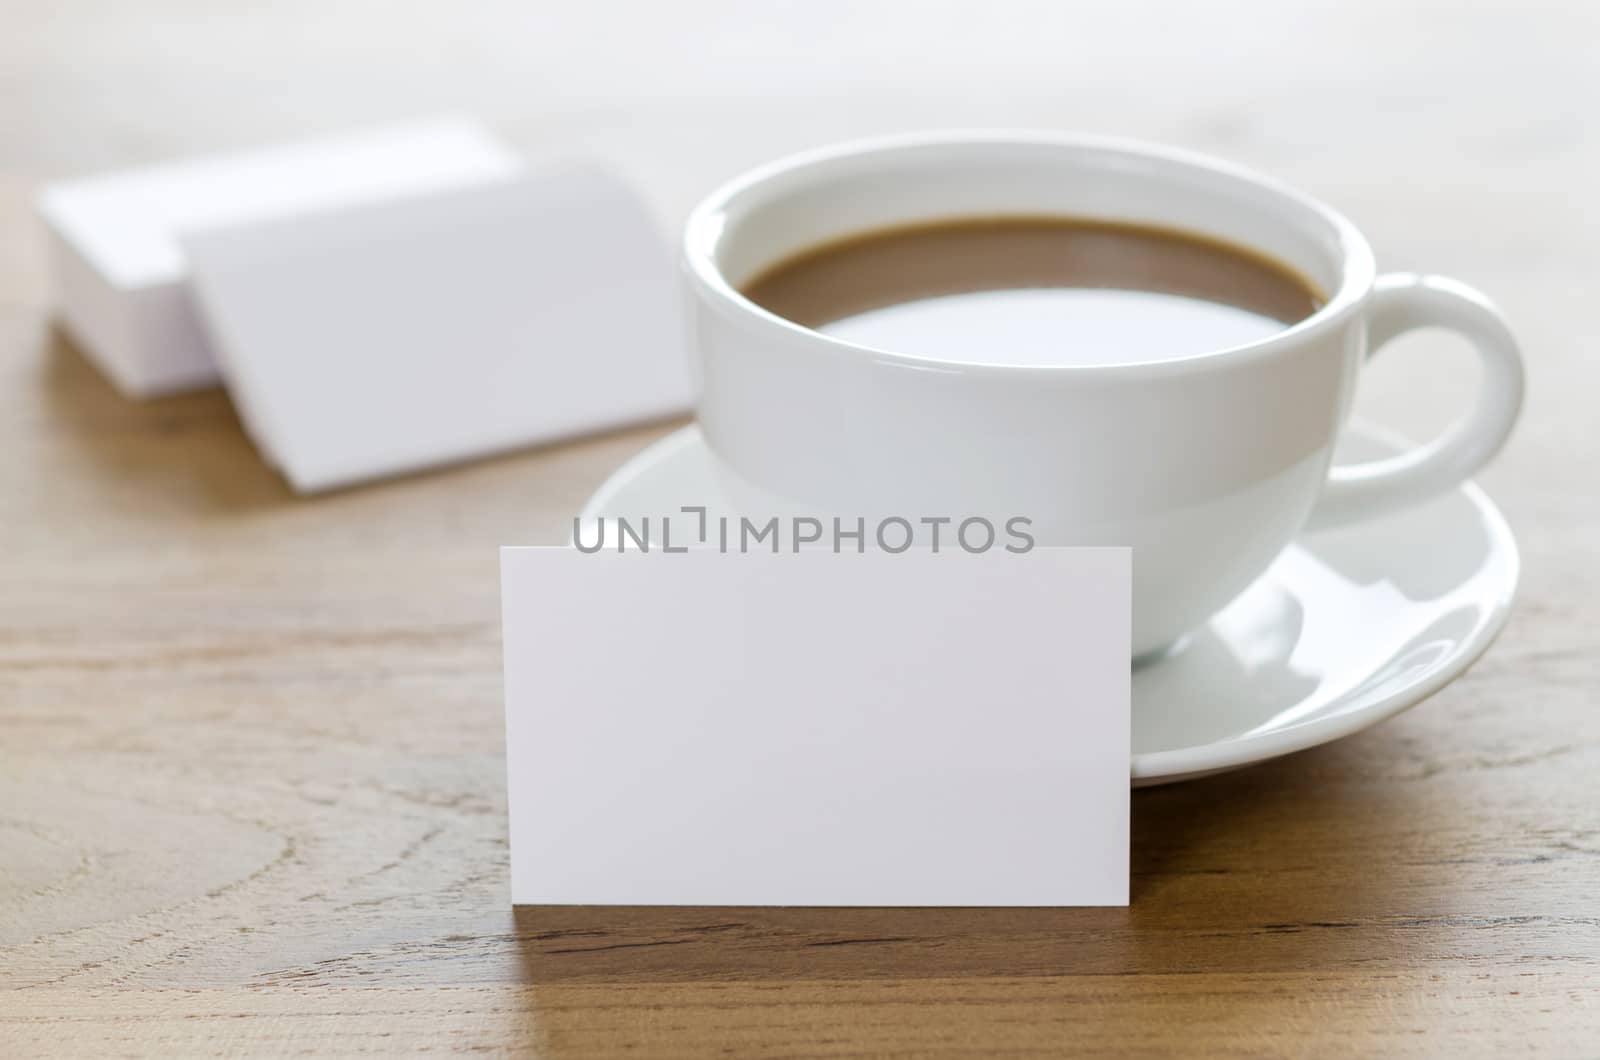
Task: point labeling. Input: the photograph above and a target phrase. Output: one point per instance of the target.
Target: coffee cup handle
(1402, 302)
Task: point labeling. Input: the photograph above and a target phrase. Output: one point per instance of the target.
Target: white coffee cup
(1207, 465)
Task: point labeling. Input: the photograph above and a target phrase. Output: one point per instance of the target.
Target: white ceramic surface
(1347, 627)
(1207, 465)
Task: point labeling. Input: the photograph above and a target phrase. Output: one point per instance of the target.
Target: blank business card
(812, 728)
(123, 280)
(386, 337)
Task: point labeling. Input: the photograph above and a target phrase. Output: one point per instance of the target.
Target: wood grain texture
(251, 786)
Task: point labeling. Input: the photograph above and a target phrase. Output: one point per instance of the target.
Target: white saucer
(1347, 628)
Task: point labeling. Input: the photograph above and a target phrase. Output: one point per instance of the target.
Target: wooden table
(251, 787)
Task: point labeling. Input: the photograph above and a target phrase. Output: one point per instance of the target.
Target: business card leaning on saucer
(817, 728)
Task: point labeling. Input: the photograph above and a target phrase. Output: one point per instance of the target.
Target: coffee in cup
(1036, 290)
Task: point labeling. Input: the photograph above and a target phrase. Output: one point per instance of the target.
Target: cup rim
(707, 221)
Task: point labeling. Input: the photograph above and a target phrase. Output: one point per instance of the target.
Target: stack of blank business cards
(378, 303)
